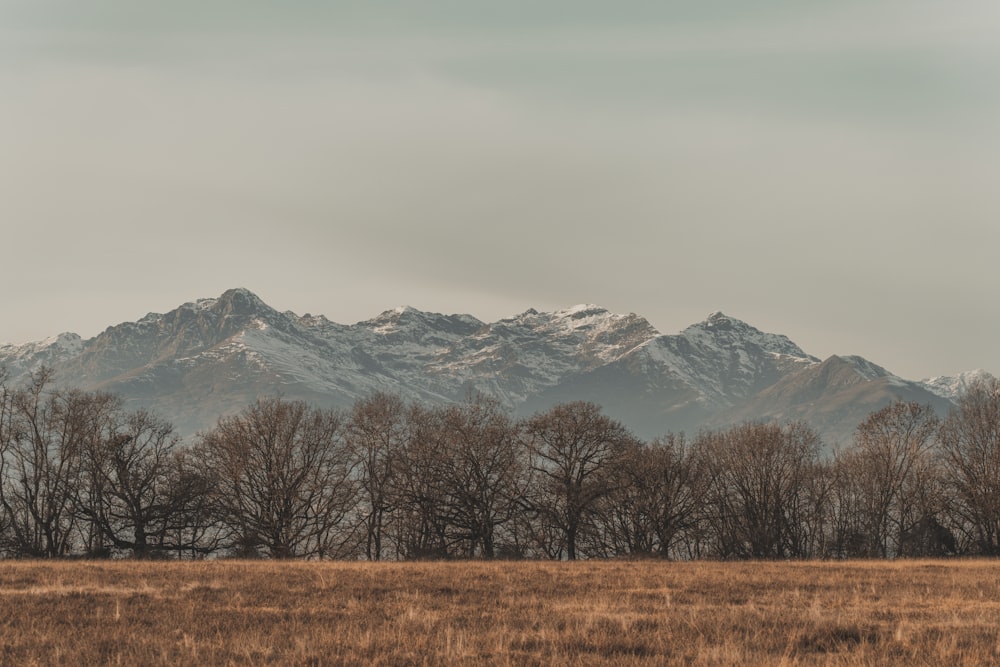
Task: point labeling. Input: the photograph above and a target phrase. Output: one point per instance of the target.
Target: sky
(825, 169)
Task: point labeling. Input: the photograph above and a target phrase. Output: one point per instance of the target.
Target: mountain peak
(863, 367)
(718, 319)
(414, 321)
(239, 292)
(398, 311)
(205, 358)
(582, 310)
(583, 314)
(396, 315)
(65, 339)
(65, 343)
(241, 297)
(721, 330)
(952, 387)
(238, 299)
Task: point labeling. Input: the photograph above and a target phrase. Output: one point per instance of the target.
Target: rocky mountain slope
(213, 356)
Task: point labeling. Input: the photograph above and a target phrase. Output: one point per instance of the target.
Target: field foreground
(596, 613)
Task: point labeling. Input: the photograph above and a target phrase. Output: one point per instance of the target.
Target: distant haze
(826, 170)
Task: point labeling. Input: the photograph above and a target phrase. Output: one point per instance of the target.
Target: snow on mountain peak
(721, 330)
(238, 299)
(582, 310)
(66, 343)
(48, 352)
(67, 340)
(418, 324)
(586, 316)
(389, 320)
(953, 386)
(178, 361)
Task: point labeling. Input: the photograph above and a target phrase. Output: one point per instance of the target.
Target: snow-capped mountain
(953, 386)
(20, 359)
(212, 357)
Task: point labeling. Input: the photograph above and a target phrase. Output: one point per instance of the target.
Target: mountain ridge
(210, 357)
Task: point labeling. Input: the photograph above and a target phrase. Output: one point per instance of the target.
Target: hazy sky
(826, 169)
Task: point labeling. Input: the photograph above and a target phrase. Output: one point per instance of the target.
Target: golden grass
(526, 613)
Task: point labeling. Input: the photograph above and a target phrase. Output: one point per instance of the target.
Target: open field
(596, 613)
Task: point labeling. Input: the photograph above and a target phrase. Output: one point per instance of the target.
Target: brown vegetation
(581, 613)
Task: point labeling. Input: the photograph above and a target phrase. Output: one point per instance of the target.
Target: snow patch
(953, 386)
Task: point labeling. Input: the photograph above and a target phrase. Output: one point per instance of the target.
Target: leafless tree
(815, 535)
(419, 486)
(282, 478)
(377, 433)
(891, 467)
(193, 528)
(574, 447)
(44, 434)
(757, 489)
(485, 473)
(135, 491)
(6, 440)
(460, 481)
(845, 510)
(657, 497)
(970, 445)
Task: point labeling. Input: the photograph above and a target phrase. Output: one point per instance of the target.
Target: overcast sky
(826, 169)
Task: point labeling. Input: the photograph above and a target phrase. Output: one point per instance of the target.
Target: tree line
(82, 475)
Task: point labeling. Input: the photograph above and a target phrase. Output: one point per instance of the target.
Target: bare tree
(890, 466)
(970, 445)
(757, 488)
(461, 481)
(282, 479)
(419, 486)
(377, 433)
(845, 511)
(6, 441)
(657, 497)
(193, 527)
(485, 472)
(133, 490)
(574, 447)
(814, 533)
(44, 435)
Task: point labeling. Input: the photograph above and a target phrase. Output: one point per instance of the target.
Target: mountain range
(212, 357)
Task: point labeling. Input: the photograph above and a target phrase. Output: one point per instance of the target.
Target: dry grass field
(509, 613)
